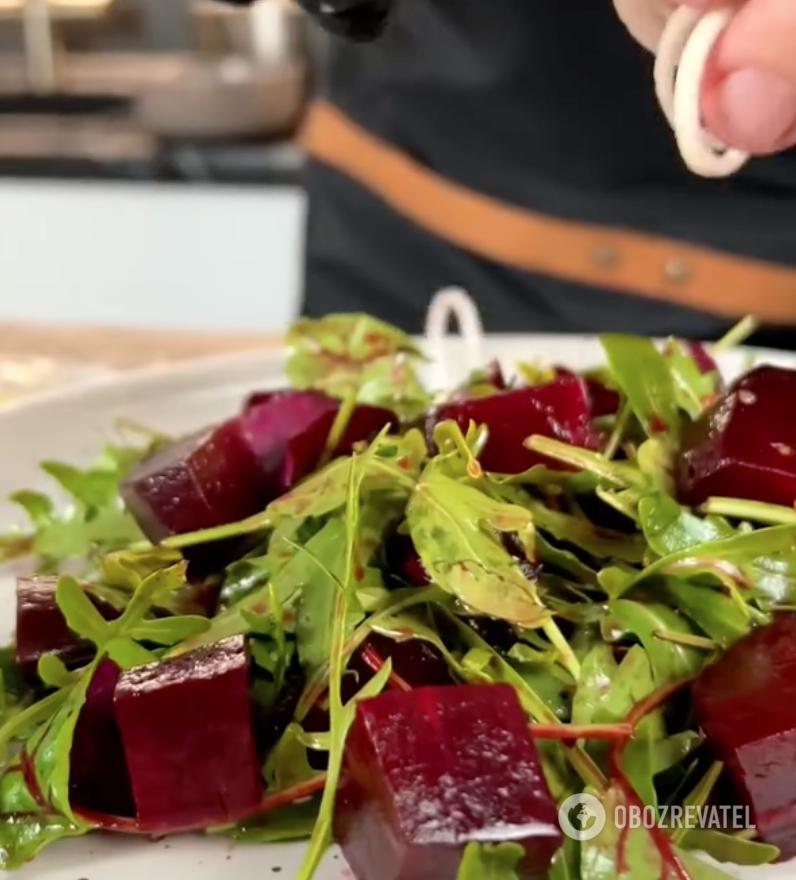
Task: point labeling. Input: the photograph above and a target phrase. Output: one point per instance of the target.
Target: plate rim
(217, 367)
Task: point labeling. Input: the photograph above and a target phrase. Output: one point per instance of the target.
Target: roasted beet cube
(98, 777)
(745, 445)
(415, 662)
(233, 470)
(288, 431)
(558, 409)
(205, 480)
(41, 628)
(186, 725)
(431, 770)
(603, 401)
(746, 706)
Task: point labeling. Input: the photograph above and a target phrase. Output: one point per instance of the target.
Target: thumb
(749, 88)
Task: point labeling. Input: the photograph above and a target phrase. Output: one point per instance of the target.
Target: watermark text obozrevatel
(685, 818)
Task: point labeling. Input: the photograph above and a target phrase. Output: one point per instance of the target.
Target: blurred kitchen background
(148, 172)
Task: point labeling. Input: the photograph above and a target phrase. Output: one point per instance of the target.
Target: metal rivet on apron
(677, 271)
(605, 255)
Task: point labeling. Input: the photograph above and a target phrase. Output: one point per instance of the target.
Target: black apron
(508, 98)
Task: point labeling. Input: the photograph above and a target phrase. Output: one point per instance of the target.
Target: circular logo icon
(581, 817)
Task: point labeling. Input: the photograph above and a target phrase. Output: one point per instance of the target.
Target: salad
(418, 623)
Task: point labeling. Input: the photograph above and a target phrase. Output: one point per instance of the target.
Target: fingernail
(756, 110)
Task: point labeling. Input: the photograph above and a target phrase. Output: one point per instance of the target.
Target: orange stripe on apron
(600, 256)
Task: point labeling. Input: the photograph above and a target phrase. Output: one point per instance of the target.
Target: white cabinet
(212, 257)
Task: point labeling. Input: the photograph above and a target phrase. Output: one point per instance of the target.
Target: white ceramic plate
(71, 424)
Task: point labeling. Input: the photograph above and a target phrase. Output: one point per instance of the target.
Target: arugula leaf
(354, 353)
(764, 560)
(490, 861)
(287, 823)
(315, 618)
(170, 630)
(716, 613)
(94, 522)
(25, 829)
(600, 542)
(566, 861)
(694, 390)
(632, 853)
(455, 529)
(729, 848)
(641, 372)
(341, 716)
(670, 662)
(670, 528)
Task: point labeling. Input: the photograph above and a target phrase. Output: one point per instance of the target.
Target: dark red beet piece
(98, 777)
(603, 401)
(205, 480)
(288, 431)
(41, 628)
(746, 705)
(745, 445)
(558, 409)
(415, 661)
(186, 726)
(429, 771)
(233, 470)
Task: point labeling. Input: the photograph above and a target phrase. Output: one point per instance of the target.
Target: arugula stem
(620, 731)
(618, 473)
(686, 639)
(736, 335)
(699, 795)
(615, 440)
(322, 833)
(754, 511)
(565, 653)
(341, 420)
(372, 659)
(32, 716)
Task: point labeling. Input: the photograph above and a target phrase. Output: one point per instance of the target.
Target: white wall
(135, 253)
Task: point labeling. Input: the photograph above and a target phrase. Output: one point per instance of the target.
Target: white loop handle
(687, 41)
(455, 304)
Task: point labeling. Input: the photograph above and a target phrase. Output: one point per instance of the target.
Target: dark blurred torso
(547, 105)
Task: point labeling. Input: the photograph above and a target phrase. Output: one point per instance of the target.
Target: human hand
(748, 94)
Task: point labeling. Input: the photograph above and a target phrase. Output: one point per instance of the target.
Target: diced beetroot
(558, 409)
(186, 725)
(233, 470)
(746, 705)
(205, 480)
(98, 777)
(416, 662)
(603, 401)
(745, 445)
(431, 770)
(288, 431)
(41, 628)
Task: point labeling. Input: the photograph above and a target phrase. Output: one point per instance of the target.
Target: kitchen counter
(122, 348)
